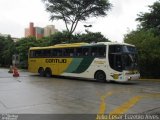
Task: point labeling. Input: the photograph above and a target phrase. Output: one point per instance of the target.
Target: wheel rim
(100, 76)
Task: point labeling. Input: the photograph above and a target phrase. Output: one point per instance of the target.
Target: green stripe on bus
(74, 65)
(86, 62)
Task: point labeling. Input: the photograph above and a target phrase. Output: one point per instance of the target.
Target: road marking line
(102, 107)
(125, 106)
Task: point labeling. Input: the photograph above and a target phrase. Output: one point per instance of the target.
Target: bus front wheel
(41, 72)
(100, 76)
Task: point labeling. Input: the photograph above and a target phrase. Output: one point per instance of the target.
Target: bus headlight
(129, 78)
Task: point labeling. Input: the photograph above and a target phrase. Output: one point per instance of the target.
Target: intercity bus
(102, 61)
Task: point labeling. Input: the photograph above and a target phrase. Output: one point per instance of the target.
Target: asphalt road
(31, 94)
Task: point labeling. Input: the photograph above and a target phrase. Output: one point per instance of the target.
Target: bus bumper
(132, 77)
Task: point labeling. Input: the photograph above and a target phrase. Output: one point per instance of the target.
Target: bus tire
(41, 72)
(100, 76)
(48, 72)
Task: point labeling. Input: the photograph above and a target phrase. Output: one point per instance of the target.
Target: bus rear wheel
(41, 72)
(100, 76)
(48, 72)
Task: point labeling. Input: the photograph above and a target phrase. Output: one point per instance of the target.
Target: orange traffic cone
(15, 72)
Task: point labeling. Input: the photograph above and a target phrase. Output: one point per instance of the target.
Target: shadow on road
(89, 80)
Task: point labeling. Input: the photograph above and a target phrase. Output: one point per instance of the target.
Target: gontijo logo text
(56, 60)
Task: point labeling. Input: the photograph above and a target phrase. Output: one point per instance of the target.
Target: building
(49, 30)
(30, 31)
(39, 32)
(33, 31)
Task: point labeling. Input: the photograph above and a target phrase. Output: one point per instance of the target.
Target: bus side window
(32, 54)
(65, 52)
(94, 51)
(78, 51)
(86, 51)
(102, 51)
(115, 48)
(46, 53)
(38, 53)
(59, 52)
(71, 52)
(68, 52)
(54, 52)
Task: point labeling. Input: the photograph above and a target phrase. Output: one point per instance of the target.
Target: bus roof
(79, 45)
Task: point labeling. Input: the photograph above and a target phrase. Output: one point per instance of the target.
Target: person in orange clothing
(15, 72)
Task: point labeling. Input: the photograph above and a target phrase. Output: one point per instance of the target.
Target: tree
(151, 19)
(148, 49)
(2, 39)
(65, 37)
(61, 37)
(147, 40)
(73, 11)
(7, 49)
(23, 45)
(91, 37)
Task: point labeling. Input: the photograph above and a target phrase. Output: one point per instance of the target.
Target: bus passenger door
(118, 62)
(115, 61)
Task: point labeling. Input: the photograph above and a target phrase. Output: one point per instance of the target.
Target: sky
(15, 16)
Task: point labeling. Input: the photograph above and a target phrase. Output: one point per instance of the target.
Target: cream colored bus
(103, 61)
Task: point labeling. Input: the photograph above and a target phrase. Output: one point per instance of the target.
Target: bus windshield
(122, 57)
